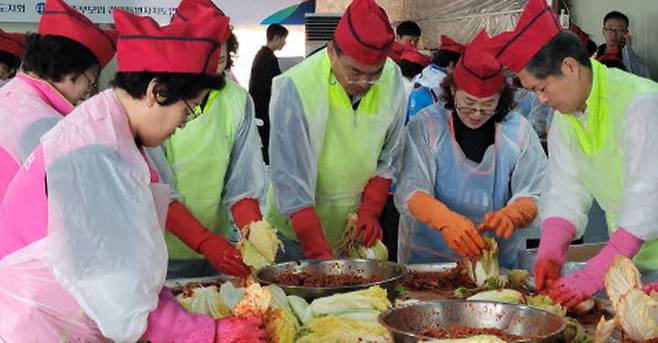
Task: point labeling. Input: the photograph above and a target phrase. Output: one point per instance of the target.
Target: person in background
(408, 34)
(12, 48)
(95, 272)
(617, 52)
(427, 86)
(62, 64)
(337, 124)
(264, 68)
(470, 165)
(411, 64)
(602, 146)
(217, 169)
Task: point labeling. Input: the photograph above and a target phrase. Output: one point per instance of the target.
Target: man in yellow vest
(602, 145)
(336, 136)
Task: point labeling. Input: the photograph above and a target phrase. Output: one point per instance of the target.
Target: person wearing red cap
(61, 65)
(12, 47)
(602, 146)
(93, 269)
(471, 166)
(337, 121)
(232, 178)
(411, 64)
(427, 85)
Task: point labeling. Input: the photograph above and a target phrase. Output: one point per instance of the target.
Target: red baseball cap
(448, 44)
(364, 32)
(13, 43)
(184, 47)
(478, 72)
(537, 26)
(60, 19)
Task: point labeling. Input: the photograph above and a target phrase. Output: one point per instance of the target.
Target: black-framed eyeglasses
(471, 110)
(191, 112)
(91, 85)
(613, 30)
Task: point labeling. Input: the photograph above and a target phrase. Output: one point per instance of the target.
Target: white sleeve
(418, 162)
(245, 177)
(109, 251)
(388, 165)
(639, 210)
(529, 169)
(563, 194)
(293, 168)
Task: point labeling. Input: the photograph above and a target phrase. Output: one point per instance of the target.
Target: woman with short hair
(470, 165)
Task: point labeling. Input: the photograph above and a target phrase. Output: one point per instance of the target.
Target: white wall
(643, 15)
(252, 37)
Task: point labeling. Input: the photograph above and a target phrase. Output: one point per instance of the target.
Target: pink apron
(97, 271)
(30, 107)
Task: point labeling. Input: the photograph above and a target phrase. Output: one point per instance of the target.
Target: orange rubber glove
(308, 227)
(221, 254)
(515, 215)
(373, 201)
(245, 212)
(458, 231)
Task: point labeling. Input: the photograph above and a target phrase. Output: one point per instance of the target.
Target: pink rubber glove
(573, 289)
(170, 322)
(238, 330)
(556, 234)
(650, 288)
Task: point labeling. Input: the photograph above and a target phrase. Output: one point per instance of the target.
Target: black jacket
(264, 68)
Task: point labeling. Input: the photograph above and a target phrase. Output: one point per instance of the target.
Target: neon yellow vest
(600, 138)
(347, 143)
(199, 155)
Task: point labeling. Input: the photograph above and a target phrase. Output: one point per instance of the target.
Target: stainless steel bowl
(390, 272)
(405, 323)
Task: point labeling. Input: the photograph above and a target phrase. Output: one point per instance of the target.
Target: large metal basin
(389, 271)
(405, 323)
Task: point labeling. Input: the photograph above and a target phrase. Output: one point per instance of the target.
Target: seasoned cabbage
(349, 245)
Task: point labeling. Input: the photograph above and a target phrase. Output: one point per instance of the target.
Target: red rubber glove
(221, 254)
(583, 284)
(458, 231)
(556, 234)
(372, 204)
(517, 214)
(245, 212)
(308, 228)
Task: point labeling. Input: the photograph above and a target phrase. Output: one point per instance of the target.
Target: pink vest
(30, 107)
(41, 288)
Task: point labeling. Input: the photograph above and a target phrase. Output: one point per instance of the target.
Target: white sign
(100, 11)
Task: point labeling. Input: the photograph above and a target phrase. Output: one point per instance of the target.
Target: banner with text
(100, 11)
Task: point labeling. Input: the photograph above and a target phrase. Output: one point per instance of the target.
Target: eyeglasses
(91, 85)
(352, 81)
(613, 30)
(192, 113)
(471, 110)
